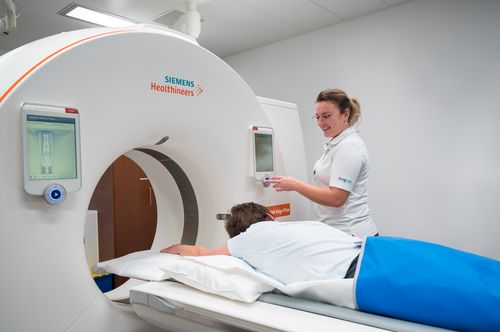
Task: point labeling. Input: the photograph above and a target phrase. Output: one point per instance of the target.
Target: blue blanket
(429, 283)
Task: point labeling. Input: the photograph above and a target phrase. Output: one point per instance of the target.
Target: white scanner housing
(132, 88)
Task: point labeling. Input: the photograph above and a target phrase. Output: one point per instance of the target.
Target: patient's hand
(182, 249)
(188, 250)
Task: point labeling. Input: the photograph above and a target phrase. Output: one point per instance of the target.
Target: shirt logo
(349, 181)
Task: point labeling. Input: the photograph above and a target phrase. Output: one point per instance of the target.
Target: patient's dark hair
(243, 216)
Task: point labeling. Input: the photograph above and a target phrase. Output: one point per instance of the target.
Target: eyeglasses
(323, 117)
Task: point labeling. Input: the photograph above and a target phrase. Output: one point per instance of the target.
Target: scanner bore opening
(142, 234)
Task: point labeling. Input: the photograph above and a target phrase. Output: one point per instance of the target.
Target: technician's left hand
(284, 183)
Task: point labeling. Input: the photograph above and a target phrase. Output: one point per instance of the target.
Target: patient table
(160, 303)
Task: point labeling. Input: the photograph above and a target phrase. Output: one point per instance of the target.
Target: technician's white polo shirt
(345, 165)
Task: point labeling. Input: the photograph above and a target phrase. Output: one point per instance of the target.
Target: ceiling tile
(301, 14)
(240, 17)
(245, 25)
(220, 39)
(351, 8)
(394, 2)
(229, 41)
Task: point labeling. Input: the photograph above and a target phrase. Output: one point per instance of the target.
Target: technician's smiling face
(330, 120)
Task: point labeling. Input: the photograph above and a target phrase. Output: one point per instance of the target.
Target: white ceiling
(228, 27)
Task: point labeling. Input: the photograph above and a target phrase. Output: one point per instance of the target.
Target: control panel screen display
(263, 152)
(51, 147)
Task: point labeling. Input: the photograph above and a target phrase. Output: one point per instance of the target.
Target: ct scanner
(116, 80)
(179, 112)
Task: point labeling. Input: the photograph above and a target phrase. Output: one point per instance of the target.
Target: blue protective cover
(429, 283)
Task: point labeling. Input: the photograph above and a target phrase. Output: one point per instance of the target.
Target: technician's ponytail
(355, 115)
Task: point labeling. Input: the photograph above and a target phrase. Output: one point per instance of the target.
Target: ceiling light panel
(96, 16)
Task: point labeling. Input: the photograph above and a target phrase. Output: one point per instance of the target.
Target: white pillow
(226, 276)
(142, 265)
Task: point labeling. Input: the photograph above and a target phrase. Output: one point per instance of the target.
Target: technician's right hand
(284, 183)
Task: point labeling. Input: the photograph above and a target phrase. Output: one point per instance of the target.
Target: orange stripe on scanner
(16, 83)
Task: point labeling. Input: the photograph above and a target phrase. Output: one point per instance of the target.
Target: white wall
(427, 74)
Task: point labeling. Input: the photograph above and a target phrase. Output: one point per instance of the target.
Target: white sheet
(336, 291)
(226, 276)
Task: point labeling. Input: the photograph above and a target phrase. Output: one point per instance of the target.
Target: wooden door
(127, 211)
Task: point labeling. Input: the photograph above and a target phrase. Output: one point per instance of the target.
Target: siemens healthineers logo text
(178, 86)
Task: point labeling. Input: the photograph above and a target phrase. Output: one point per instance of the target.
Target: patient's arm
(188, 250)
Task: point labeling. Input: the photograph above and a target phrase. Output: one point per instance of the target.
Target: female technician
(341, 174)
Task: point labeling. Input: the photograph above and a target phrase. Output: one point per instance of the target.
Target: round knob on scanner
(54, 194)
(265, 180)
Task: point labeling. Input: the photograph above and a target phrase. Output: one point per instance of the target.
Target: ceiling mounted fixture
(96, 16)
(9, 12)
(190, 22)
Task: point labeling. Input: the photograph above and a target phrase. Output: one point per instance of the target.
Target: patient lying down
(285, 251)
(396, 277)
